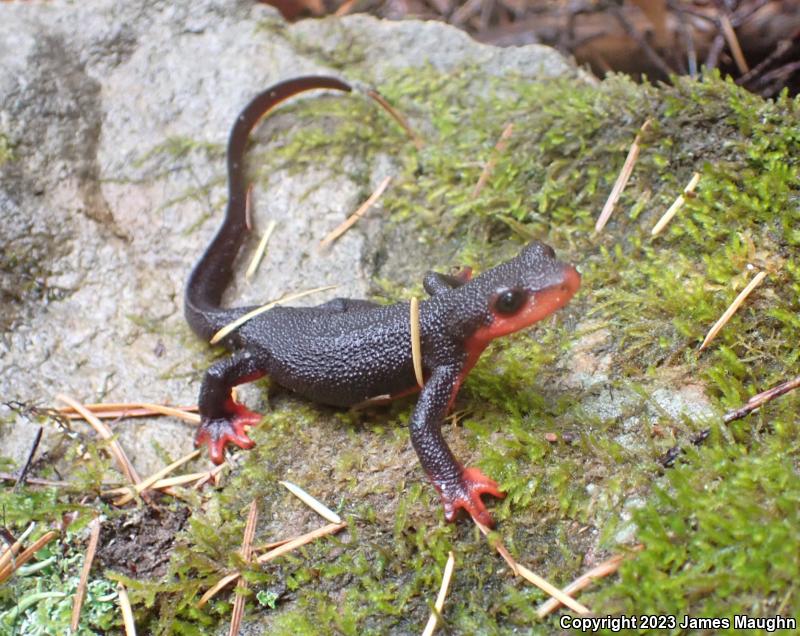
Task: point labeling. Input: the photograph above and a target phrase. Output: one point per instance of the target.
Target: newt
(346, 351)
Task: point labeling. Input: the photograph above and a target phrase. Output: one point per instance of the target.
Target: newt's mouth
(539, 305)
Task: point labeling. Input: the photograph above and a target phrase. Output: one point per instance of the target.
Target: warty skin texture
(347, 351)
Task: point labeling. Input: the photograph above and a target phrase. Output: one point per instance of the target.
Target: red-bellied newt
(347, 351)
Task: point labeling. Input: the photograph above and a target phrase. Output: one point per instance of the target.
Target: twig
(80, 593)
(259, 253)
(102, 430)
(355, 216)
(247, 555)
(760, 399)
(440, 598)
(648, 50)
(499, 147)
(416, 342)
(232, 326)
(712, 58)
(520, 570)
(23, 474)
(622, 180)
(35, 481)
(734, 306)
(677, 205)
(317, 506)
(127, 610)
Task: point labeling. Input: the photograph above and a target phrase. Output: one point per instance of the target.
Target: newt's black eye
(509, 301)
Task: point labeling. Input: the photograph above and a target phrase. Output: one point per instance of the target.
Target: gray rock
(100, 224)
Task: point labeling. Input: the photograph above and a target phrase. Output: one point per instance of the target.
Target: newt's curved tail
(214, 270)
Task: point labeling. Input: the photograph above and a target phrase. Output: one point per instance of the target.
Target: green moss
(6, 150)
(720, 530)
(653, 299)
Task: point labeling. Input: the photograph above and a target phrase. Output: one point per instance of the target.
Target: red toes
(217, 433)
(467, 495)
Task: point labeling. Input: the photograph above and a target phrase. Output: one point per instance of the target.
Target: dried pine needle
(677, 205)
(274, 554)
(317, 506)
(127, 610)
(355, 216)
(416, 341)
(622, 180)
(300, 541)
(394, 113)
(80, 593)
(439, 604)
(606, 568)
(538, 581)
(232, 326)
(712, 333)
(259, 253)
(733, 43)
(154, 478)
(132, 409)
(26, 555)
(10, 551)
(103, 431)
(247, 554)
(499, 147)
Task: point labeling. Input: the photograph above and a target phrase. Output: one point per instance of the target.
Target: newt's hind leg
(222, 419)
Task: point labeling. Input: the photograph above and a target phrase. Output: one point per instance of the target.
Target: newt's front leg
(222, 419)
(458, 487)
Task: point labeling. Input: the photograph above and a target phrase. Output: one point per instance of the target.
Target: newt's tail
(213, 271)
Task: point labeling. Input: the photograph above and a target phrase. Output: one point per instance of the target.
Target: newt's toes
(468, 496)
(217, 433)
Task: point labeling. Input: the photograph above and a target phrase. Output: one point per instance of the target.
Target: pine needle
(733, 43)
(499, 147)
(154, 478)
(599, 571)
(26, 555)
(285, 548)
(259, 253)
(622, 180)
(677, 205)
(734, 306)
(355, 216)
(416, 341)
(232, 326)
(127, 610)
(396, 115)
(118, 410)
(247, 555)
(80, 593)
(103, 431)
(433, 621)
(520, 570)
(317, 506)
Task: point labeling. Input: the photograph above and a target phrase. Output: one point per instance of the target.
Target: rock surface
(100, 225)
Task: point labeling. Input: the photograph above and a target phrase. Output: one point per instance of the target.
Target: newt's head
(521, 292)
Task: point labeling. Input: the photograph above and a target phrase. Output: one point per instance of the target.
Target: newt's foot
(218, 432)
(467, 495)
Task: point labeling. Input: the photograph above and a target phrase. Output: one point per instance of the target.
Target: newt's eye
(509, 301)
